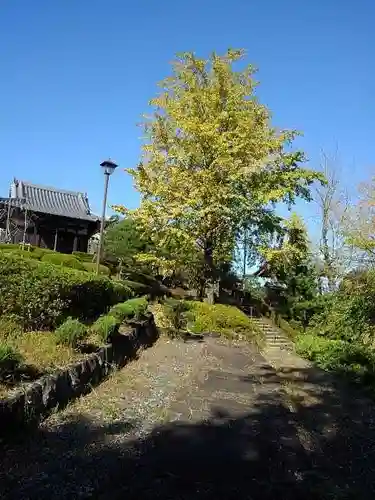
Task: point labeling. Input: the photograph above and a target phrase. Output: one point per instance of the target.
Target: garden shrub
(91, 267)
(42, 295)
(222, 319)
(83, 256)
(10, 326)
(62, 259)
(350, 312)
(303, 312)
(339, 356)
(21, 254)
(70, 333)
(9, 247)
(106, 327)
(177, 314)
(10, 359)
(131, 309)
(137, 287)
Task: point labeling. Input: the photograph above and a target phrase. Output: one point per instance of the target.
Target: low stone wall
(32, 404)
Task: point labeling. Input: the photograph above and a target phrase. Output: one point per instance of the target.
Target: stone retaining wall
(36, 401)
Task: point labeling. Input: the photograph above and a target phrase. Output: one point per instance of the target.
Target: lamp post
(108, 167)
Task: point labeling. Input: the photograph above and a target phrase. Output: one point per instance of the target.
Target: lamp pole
(108, 167)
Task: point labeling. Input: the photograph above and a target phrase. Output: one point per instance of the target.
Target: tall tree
(212, 162)
(359, 228)
(291, 263)
(333, 205)
(124, 241)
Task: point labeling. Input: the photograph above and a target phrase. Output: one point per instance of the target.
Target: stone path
(206, 420)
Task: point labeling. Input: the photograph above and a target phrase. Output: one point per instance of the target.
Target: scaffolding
(12, 232)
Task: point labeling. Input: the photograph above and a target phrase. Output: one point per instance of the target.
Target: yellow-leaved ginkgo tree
(212, 162)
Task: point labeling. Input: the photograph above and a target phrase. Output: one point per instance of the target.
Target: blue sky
(77, 76)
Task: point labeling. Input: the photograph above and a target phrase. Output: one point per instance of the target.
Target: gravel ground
(206, 420)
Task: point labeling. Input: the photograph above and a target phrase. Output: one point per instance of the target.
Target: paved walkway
(205, 420)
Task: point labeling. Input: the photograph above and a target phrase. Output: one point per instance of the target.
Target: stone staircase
(274, 336)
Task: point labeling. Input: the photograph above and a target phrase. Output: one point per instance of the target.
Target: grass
(41, 354)
(40, 349)
(105, 328)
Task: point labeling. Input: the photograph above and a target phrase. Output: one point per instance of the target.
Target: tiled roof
(50, 200)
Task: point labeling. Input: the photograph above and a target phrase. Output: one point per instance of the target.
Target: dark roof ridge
(49, 188)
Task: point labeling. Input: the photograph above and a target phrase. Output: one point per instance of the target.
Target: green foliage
(136, 287)
(350, 312)
(131, 309)
(83, 256)
(344, 358)
(254, 288)
(223, 319)
(8, 247)
(10, 327)
(124, 240)
(61, 259)
(91, 267)
(303, 312)
(70, 333)
(106, 327)
(176, 313)
(10, 359)
(212, 162)
(42, 294)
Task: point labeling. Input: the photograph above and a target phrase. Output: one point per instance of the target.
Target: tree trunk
(210, 273)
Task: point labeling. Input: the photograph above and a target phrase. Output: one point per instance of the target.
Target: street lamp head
(108, 166)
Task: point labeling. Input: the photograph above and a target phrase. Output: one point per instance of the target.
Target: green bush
(350, 312)
(40, 252)
(133, 308)
(10, 326)
(106, 327)
(303, 312)
(176, 312)
(339, 356)
(10, 359)
(70, 333)
(137, 287)
(42, 295)
(9, 247)
(23, 254)
(61, 259)
(222, 319)
(83, 256)
(91, 267)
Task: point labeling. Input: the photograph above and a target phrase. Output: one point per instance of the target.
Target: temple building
(46, 217)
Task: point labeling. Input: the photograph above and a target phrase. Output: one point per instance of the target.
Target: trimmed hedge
(42, 295)
(137, 287)
(133, 308)
(219, 318)
(61, 259)
(91, 267)
(83, 256)
(9, 246)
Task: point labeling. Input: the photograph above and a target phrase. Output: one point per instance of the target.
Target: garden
(209, 212)
(53, 314)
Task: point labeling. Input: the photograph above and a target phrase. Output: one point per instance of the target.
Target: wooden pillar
(55, 242)
(35, 236)
(75, 242)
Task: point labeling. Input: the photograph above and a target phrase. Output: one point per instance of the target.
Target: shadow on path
(321, 447)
